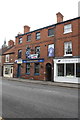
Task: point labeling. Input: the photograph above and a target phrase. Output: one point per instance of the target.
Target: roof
(10, 51)
(53, 25)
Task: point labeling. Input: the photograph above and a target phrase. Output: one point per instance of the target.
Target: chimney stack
(26, 29)
(10, 43)
(59, 17)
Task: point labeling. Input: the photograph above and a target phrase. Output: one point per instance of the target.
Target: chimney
(10, 43)
(59, 17)
(26, 29)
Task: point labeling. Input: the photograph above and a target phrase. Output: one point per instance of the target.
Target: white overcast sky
(14, 14)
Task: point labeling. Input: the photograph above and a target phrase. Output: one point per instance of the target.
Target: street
(27, 100)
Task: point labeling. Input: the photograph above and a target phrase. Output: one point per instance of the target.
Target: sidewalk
(69, 85)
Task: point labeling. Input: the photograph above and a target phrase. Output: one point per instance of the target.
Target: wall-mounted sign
(32, 61)
(19, 61)
(51, 50)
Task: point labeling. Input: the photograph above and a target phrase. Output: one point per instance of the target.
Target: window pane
(67, 28)
(28, 37)
(36, 67)
(38, 35)
(60, 69)
(20, 40)
(70, 69)
(50, 32)
(37, 51)
(68, 48)
(28, 68)
(19, 53)
(78, 70)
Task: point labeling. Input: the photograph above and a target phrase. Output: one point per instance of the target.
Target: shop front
(67, 70)
(8, 70)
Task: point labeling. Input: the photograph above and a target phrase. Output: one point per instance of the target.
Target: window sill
(68, 55)
(67, 32)
(36, 74)
(51, 36)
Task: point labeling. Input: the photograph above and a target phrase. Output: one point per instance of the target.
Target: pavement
(60, 84)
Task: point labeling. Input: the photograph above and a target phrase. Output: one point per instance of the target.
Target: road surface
(27, 100)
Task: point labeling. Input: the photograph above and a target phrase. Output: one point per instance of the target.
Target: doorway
(48, 72)
(19, 70)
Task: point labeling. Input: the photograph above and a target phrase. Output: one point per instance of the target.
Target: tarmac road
(27, 100)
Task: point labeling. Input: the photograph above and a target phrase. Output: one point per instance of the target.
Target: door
(48, 72)
(19, 70)
(11, 72)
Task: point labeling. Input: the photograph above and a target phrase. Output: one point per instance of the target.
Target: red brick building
(50, 53)
(8, 59)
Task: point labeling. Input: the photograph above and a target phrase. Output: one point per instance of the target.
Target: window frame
(50, 35)
(66, 46)
(35, 69)
(27, 68)
(38, 35)
(68, 29)
(20, 40)
(7, 58)
(19, 54)
(29, 38)
(37, 52)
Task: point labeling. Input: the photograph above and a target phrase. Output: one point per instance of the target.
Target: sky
(14, 14)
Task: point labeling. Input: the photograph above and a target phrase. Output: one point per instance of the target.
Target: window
(67, 28)
(60, 69)
(28, 50)
(28, 68)
(38, 35)
(70, 69)
(7, 70)
(78, 70)
(37, 50)
(29, 38)
(7, 58)
(19, 53)
(68, 48)
(20, 40)
(36, 69)
(51, 32)
(51, 50)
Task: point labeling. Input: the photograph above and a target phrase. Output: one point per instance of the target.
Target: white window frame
(67, 28)
(66, 48)
(7, 58)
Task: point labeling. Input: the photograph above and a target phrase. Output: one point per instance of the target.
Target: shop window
(38, 35)
(29, 38)
(70, 69)
(68, 48)
(28, 68)
(7, 58)
(37, 51)
(20, 40)
(51, 32)
(60, 69)
(78, 70)
(36, 69)
(67, 28)
(19, 54)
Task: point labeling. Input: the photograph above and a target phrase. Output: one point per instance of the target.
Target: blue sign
(32, 61)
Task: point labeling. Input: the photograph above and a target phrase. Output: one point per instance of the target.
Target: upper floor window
(51, 32)
(67, 28)
(7, 58)
(19, 53)
(38, 35)
(68, 48)
(20, 40)
(28, 51)
(29, 38)
(37, 50)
